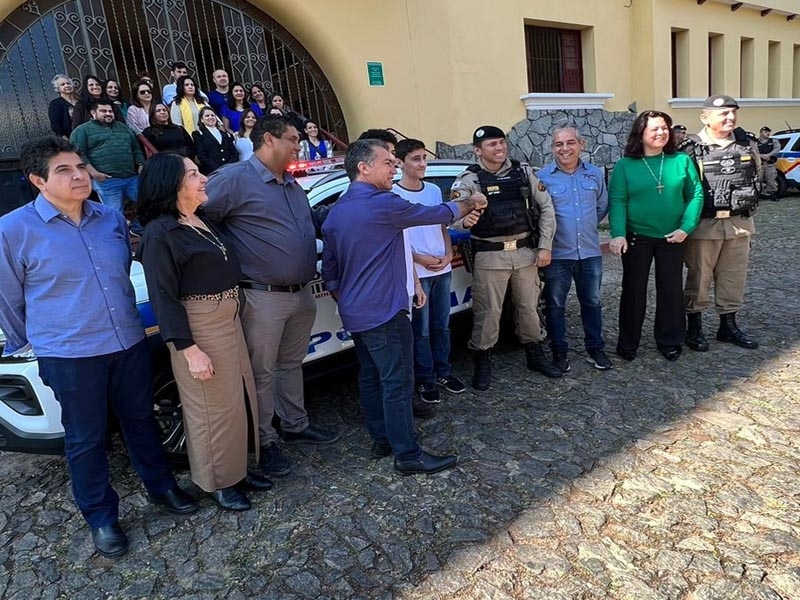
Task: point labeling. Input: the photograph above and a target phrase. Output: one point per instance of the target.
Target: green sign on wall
(375, 73)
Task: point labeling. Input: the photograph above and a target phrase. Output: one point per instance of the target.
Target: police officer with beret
(679, 133)
(718, 250)
(510, 240)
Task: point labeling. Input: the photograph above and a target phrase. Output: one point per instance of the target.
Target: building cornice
(743, 102)
(552, 101)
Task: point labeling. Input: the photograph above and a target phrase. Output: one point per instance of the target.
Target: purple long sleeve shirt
(364, 256)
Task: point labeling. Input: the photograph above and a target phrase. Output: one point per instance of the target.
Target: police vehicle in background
(788, 163)
(30, 418)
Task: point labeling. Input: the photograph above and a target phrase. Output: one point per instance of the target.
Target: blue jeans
(386, 384)
(113, 191)
(588, 276)
(84, 387)
(431, 325)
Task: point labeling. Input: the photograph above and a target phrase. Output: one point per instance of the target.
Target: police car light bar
(316, 166)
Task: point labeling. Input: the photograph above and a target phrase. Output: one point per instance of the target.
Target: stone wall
(530, 140)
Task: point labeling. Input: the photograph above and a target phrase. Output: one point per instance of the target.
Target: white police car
(788, 163)
(30, 418)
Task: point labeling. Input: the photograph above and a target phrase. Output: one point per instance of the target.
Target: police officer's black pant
(670, 314)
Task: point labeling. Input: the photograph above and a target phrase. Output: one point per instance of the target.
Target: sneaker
(274, 462)
(313, 435)
(422, 410)
(428, 393)
(560, 361)
(451, 384)
(599, 359)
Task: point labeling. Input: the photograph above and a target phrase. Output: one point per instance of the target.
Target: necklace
(659, 185)
(215, 241)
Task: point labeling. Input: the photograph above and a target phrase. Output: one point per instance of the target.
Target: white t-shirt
(244, 146)
(424, 239)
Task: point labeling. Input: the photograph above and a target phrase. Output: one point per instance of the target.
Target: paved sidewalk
(652, 481)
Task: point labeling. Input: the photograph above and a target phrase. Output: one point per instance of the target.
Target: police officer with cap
(510, 240)
(768, 149)
(679, 133)
(718, 250)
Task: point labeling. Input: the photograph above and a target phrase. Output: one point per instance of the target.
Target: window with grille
(555, 62)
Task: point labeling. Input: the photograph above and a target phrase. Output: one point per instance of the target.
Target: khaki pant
(769, 175)
(488, 291)
(277, 326)
(725, 263)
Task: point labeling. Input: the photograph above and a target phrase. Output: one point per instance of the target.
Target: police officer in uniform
(718, 250)
(768, 149)
(510, 240)
(679, 133)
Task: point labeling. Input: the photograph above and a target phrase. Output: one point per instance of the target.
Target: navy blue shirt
(580, 200)
(65, 287)
(364, 255)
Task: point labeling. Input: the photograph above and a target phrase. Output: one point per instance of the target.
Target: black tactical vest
(510, 209)
(765, 147)
(729, 175)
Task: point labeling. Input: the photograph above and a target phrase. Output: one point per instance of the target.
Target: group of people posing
(228, 259)
(212, 129)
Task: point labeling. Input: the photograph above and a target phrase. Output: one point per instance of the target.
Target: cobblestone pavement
(652, 481)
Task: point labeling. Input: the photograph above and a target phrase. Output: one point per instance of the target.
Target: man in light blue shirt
(67, 298)
(580, 198)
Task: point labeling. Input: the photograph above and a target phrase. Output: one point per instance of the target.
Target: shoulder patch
(541, 187)
(458, 194)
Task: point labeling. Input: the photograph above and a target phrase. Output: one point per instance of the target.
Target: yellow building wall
(451, 65)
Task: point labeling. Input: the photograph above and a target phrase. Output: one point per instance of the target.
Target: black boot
(482, 376)
(729, 332)
(694, 333)
(537, 360)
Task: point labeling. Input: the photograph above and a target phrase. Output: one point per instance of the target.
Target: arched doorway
(119, 38)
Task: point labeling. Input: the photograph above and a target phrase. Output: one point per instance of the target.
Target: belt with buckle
(508, 246)
(268, 287)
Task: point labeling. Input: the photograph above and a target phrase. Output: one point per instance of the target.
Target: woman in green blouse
(655, 201)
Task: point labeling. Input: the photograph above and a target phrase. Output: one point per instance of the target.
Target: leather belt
(485, 246)
(268, 287)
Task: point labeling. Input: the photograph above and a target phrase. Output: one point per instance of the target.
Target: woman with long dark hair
(213, 146)
(61, 107)
(192, 276)
(232, 111)
(138, 117)
(165, 136)
(315, 146)
(185, 110)
(258, 100)
(655, 199)
(243, 143)
(113, 92)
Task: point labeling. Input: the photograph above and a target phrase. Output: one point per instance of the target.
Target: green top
(111, 149)
(637, 207)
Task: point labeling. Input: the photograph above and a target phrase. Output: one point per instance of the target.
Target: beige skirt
(214, 413)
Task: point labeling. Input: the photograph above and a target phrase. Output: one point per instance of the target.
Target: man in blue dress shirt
(580, 198)
(67, 298)
(364, 267)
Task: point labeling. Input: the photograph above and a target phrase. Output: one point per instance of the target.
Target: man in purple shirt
(364, 267)
(66, 297)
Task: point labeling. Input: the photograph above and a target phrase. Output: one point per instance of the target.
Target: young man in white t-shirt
(432, 252)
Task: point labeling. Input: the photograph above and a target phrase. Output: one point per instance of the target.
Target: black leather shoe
(537, 360)
(176, 501)
(312, 434)
(422, 410)
(730, 333)
(257, 483)
(425, 464)
(695, 338)
(672, 353)
(381, 449)
(274, 462)
(626, 354)
(231, 498)
(110, 540)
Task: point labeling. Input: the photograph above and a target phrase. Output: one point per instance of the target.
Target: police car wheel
(169, 416)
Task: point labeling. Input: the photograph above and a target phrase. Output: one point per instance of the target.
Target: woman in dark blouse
(165, 136)
(213, 146)
(91, 91)
(192, 277)
(60, 109)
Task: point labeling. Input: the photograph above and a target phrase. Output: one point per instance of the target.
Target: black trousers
(670, 326)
